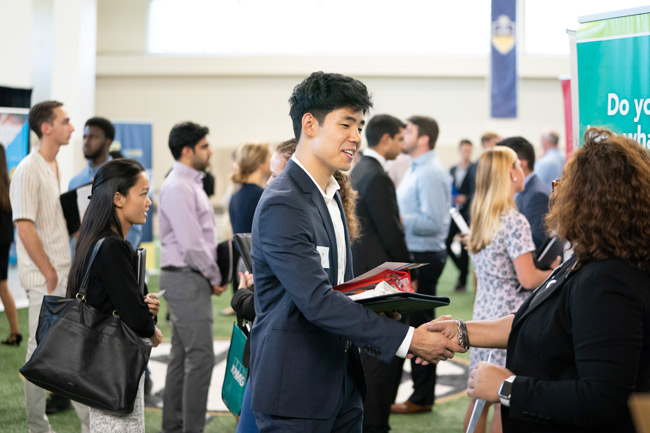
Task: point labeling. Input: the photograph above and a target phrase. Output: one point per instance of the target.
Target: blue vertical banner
(135, 142)
(14, 136)
(503, 86)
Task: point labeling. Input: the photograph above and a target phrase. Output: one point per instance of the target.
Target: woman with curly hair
(580, 345)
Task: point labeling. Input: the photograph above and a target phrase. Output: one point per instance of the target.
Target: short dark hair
(380, 125)
(465, 141)
(185, 134)
(523, 149)
(322, 93)
(426, 126)
(40, 113)
(103, 124)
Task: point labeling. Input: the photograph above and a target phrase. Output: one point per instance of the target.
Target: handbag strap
(84, 282)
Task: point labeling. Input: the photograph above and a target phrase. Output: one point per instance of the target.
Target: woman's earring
(514, 179)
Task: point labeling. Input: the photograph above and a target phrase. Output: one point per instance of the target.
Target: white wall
(15, 34)
(245, 98)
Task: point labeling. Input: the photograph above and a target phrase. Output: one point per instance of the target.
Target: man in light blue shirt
(424, 199)
(549, 166)
(98, 136)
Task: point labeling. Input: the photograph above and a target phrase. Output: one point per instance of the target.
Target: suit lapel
(310, 189)
(553, 283)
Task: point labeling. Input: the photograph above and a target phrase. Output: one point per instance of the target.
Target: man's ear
(425, 140)
(524, 164)
(186, 152)
(46, 128)
(118, 200)
(309, 124)
(383, 141)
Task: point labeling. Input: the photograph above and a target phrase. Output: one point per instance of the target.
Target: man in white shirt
(42, 246)
(305, 368)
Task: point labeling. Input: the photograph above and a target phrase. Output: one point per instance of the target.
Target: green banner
(614, 76)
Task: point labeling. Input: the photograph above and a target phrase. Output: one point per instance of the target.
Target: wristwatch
(506, 391)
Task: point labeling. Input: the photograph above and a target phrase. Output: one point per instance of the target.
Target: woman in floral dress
(501, 247)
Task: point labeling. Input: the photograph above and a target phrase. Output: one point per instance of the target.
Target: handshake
(436, 341)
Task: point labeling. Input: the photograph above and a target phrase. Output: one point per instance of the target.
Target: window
(319, 27)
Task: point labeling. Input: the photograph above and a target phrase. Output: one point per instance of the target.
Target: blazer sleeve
(607, 323)
(243, 302)
(288, 246)
(535, 209)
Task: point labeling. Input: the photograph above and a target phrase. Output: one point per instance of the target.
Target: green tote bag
(234, 381)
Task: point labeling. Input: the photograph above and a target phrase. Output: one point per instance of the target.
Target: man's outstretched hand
(430, 346)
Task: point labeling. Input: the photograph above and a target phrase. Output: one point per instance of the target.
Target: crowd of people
(541, 354)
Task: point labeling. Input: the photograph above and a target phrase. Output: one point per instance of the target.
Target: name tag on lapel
(324, 256)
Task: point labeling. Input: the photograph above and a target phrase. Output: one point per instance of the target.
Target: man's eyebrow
(353, 119)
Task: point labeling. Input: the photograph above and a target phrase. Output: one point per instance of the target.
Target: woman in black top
(253, 169)
(119, 199)
(6, 238)
(580, 345)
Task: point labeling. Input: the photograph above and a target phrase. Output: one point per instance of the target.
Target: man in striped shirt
(42, 245)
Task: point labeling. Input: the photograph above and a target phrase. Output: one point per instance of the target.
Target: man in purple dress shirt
(190, 274)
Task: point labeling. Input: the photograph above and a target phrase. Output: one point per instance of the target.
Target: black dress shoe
(13, 340)
(57, 403)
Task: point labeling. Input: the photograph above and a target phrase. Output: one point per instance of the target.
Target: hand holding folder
(405, 300)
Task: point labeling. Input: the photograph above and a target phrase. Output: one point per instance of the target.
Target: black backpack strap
(84, 282)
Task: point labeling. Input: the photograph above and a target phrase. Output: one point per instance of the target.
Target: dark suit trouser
(461, 261)
(382, 381)
(347, 417)
(424, 376)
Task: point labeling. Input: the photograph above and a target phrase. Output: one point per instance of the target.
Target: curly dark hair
(602, 203)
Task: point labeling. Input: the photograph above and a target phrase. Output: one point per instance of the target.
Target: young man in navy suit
(306, 374)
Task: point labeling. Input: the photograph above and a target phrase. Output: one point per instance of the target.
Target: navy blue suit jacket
(533, 204)
(298, 342)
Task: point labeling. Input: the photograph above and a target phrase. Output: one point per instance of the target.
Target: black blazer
(579, 348)
(382, 235)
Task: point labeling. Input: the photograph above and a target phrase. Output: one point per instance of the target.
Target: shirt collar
(93, 169)
(424, 158)
(187, 171)
(374, 154)
(528, 178)
(331, 187)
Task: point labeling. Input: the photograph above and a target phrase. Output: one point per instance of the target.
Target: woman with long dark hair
(6, 238)
(119, 199)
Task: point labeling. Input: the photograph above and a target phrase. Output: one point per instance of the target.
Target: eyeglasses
(555, 184)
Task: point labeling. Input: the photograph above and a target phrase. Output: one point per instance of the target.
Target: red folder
(396, 274)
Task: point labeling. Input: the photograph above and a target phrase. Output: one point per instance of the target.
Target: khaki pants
(37, 421)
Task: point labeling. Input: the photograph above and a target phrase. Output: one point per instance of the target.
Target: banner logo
(503, 34)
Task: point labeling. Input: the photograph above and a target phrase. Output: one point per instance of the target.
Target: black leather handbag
(86, 355)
